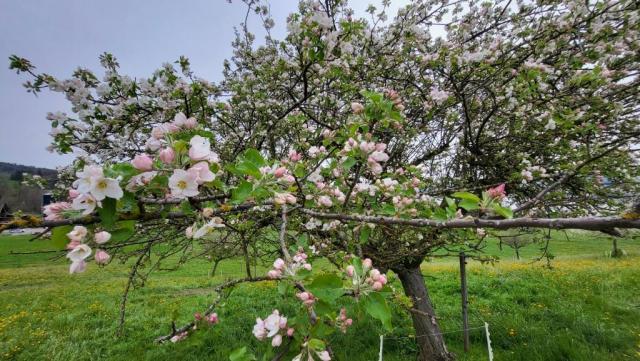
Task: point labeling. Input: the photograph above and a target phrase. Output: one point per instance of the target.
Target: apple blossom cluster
(92, 187)
(283, 269)
(79, 251)
(342, 321)
(363, 283)
(273, 327)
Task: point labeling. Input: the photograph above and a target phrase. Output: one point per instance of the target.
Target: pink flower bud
(73, 194)
(213, 318)
(367, 263)
(377, 286)
(101, 257)
(307, 266)
(273, 274)
(167, 155)
(497, 192)
(276, 341)
(290, 332)
(348, 322)
(303, 296)
(350, 270)
(197, 316)
(142, 162)
(279, 264)
(102, 237)
(294, 156)
(281, 171)
(190, 123)
(383, 279)
(375, 274)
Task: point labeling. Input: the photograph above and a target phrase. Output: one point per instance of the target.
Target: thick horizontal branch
(586, 223)
(33, 222)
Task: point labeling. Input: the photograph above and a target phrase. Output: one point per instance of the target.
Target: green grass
(587, 307)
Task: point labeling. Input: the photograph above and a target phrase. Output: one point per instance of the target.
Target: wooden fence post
(463, 287)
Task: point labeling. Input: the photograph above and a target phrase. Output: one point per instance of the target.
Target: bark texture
(428, 335)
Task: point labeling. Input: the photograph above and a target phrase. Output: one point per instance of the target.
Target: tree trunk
(247, 259)
(215, 267)
(428, 336)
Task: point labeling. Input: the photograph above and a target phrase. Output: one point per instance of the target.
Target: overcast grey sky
(58, 36)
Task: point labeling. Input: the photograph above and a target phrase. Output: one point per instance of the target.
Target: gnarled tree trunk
(428, 336)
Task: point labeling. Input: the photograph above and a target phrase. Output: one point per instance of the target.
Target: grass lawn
(587, 307)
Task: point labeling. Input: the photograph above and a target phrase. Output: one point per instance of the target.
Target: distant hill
(14, 172)
(18, 196)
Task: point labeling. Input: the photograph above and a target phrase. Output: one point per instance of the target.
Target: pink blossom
(383, 279)
(279, 264)
(366, 263)
(101, 257)
(77, 234)
(102, 237)
(375, 274)
(158, 132)
(288, 178)
(197, 316)
(190, 123)
(276, 341)
(213, 318)
(77, 267)
(167, 155)
(378, 156)
(274, 274)
(367, 147)
(53, 211)
(375, 167)
(377, 286)
(142, 162)
(290, 332)
(497, 192)
(73, 244)
(350, 270)
(325, 201)
(280, 172)
(201, 172)
(73, 194)
(294, 156)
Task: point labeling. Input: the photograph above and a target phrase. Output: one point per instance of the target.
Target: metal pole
(463, 287)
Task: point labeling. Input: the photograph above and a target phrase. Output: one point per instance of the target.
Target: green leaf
(327, 287)
(348, 163)
(59, 236)
(241, 192)
(503, 211)
(316, 344)
(107, 212)
(467, 196)
(248, 168)
(125, 170)
(376, 306)
(365, 231)
(241, 354)
(468, 204)
(254, 157)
